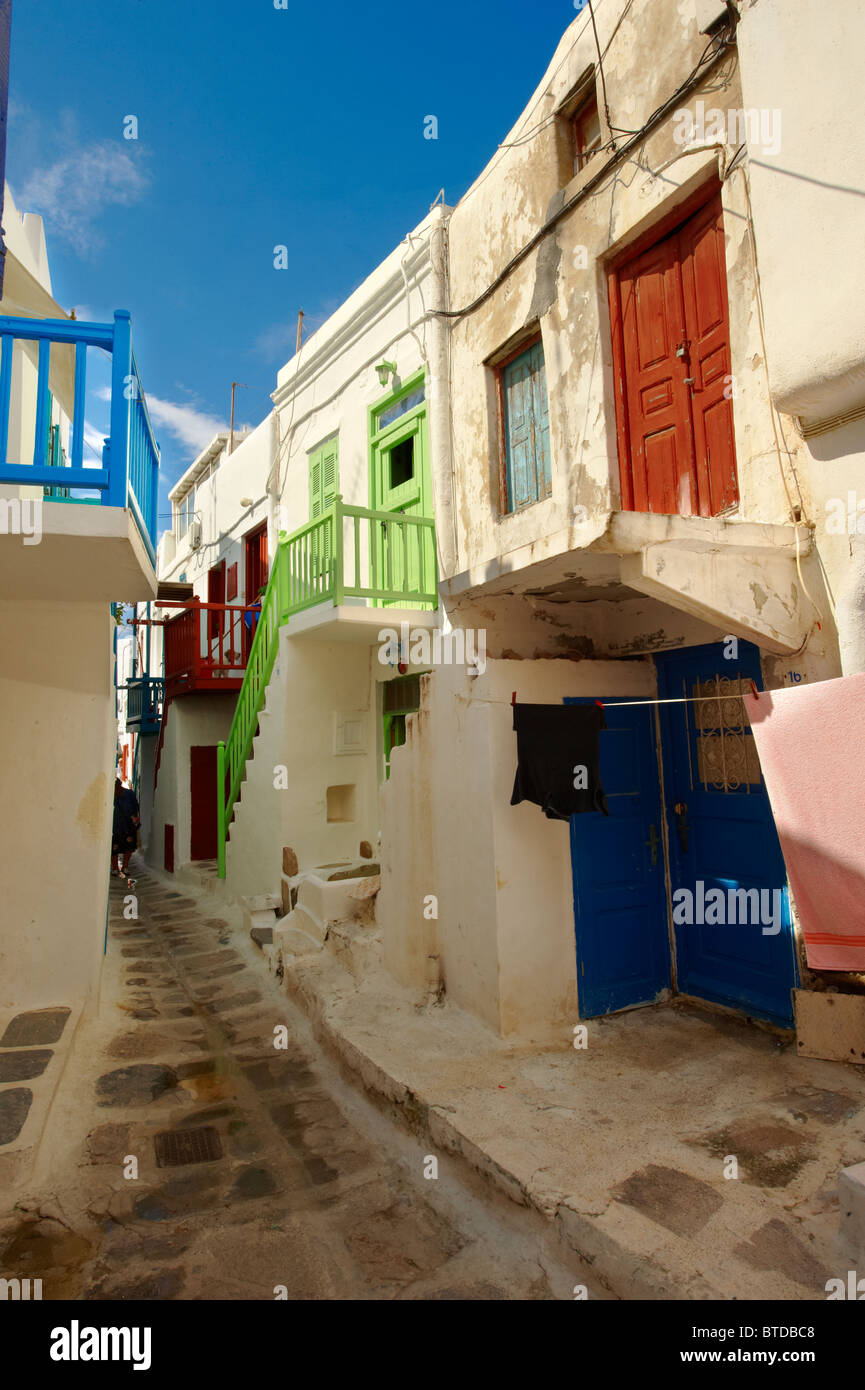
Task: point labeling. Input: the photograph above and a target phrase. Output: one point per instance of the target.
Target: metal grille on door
(726, 755)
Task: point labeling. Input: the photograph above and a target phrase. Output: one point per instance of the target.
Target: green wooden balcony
(347, 555)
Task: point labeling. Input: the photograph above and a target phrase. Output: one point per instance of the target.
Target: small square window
(402, 463)
(586, 128)
(341, 804)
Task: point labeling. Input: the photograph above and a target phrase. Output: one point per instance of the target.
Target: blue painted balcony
(52, 497)
(144, 700)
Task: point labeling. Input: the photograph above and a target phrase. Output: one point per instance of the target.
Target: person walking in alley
(253, 613)
(124, 838)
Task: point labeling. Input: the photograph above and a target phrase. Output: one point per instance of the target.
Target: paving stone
(829, 1107)
(253, 1182)
(128, 1244)
(403, 1241)
(181, 1196)
(234, 1001)
(14, 1108)
(153, 1288)
(23, 1066)
(243, 1142)
(36, 1028)
(775, 1248)
(671, 1198)
(222, 970)
(769, 1155)
(109, 1143)
(200, 1067)
(280, 1072)
(207, 1116)
(135, 1085)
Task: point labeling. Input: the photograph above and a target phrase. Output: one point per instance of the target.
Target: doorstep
(35, 1045)
(622, 1145)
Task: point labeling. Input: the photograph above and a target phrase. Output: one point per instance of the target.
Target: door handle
(680, 811)
(653, 842)
(689, 380)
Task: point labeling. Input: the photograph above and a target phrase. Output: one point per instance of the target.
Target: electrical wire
(601, 70)
(691, 82)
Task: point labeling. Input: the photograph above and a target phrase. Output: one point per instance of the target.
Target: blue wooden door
(722, 837)
(620, 902)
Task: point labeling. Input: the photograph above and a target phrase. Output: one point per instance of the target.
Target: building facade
(626, 508)
(78, 531)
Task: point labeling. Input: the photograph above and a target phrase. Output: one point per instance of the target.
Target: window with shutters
(580, 129)
(524, 418)
(323, 487)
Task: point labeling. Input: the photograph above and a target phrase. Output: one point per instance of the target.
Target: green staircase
(387, 558)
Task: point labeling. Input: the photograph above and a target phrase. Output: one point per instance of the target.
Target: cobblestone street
(252, 1177)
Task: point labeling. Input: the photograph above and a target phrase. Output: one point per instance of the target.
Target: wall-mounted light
(246, 501)
(384, 370)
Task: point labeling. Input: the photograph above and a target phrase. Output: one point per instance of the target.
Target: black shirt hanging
(558, 759)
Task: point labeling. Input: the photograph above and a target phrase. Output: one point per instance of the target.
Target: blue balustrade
(129, 472)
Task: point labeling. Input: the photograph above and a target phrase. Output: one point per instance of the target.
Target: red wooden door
(256, 575)
(215, 620)
(658, 412)
(704, 283)
(672, 355)
(168, 849)
(202, 788)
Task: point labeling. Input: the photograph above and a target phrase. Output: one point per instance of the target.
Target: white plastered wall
(56, 799)
(501, 874)
(192, 720)
(312, 684)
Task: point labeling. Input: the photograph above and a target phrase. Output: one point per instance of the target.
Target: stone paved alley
(257, 1167)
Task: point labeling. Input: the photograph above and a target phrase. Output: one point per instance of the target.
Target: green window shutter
(314, 487)
(323, 477)
(323, 487)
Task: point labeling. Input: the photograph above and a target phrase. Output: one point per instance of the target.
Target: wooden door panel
(671, 348)
(659, 426)
(704, 285)
(202, 787)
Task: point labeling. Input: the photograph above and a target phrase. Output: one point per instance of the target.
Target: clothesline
(620, 704)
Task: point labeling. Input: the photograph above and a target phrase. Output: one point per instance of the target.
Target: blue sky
(257, 127)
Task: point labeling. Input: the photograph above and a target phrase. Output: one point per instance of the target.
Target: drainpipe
(272, 488)
(444, 509)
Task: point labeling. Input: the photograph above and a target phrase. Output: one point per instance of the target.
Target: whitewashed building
(627, 509)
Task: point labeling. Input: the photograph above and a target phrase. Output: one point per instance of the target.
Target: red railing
(205, 647)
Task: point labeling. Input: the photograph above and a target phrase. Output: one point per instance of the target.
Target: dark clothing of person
(126, 821)
(251, 618)
(554, 744)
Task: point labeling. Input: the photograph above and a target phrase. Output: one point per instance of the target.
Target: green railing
(348, 552)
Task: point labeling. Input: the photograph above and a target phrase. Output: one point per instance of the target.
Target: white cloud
(74, 190)
(193, 428)
(93, 439)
